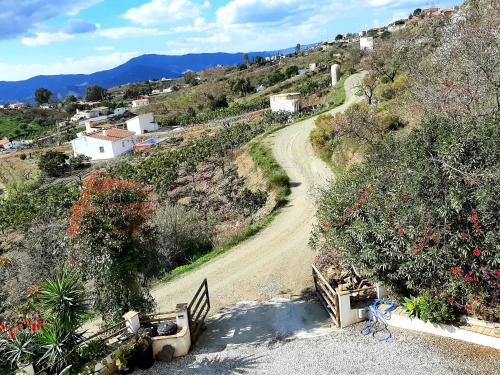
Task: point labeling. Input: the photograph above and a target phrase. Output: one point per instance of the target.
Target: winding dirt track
(276, 262)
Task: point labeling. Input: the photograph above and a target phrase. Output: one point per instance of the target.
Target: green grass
(262, 156)
(249, 232)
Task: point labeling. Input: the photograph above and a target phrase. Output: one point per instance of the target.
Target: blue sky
(83, 36)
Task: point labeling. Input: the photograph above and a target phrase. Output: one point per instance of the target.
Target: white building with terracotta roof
(140, 103)
(104, 143)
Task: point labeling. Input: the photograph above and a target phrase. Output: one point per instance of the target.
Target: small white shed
(285, 102)
(366, 43)
(142, 124)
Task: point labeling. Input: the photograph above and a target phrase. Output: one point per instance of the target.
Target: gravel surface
(340, 352)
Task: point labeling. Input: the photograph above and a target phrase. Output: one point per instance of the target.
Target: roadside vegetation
(416, 198)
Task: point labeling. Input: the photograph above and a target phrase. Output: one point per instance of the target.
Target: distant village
(101, 140)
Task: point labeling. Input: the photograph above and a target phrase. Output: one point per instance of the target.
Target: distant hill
(137, 69)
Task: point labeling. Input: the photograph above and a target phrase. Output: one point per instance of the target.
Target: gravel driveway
(341, 352)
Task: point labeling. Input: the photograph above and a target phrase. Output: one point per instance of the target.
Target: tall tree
(297, 48)
(95, 93)
(42, 95)
(109, 224)
(246, 60)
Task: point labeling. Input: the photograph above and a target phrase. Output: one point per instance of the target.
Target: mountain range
(140, 68)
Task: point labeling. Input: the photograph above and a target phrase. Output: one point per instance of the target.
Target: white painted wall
(90, 147)
(366, 43)
(142, 124)
(284, 103)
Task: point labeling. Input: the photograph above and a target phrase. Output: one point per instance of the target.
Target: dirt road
(276, 262)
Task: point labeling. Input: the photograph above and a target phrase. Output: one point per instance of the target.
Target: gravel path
(341, 352)
(275, 262)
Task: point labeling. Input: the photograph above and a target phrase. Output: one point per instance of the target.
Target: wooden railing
(197, 311)
(326, 295)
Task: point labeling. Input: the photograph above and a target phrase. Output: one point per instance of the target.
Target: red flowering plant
(419, 214)
(109, 223)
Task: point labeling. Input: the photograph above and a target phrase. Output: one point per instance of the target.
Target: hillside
(137, 69)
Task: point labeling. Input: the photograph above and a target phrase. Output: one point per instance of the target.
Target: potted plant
(125, 357)
(144, 352)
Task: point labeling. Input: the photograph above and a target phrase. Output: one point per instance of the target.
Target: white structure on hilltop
(142, 124)
(285, 102)
(140, 103)
(335, 74)
(103, 144)
(366, 42)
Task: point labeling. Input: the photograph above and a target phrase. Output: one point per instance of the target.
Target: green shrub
(421, 213)
(431, 309)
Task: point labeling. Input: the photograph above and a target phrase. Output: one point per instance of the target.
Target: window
(101, 149)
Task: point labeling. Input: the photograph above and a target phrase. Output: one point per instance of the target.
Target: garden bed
(475, 331)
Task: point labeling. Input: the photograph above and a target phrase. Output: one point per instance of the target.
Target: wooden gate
(328, 297)
(197, 311)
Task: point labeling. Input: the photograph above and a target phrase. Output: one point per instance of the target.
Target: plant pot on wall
(144, 353)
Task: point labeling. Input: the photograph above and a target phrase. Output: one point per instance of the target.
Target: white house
(366, 43)
(285, 102)
(140, 103)
(17, 105)
(155, 92)
(104, 144)
(6, 144)
(142, 124)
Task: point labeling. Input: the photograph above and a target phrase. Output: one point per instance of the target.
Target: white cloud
(129, 32)
(104, 48)
(42, 38)
(265, 11)
(217, 38)
(89, 64)
(163, 11)
(19, 16)
(199, 24)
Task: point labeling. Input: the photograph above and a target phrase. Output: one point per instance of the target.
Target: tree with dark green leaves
(246, 59)
(53, 163)
(241, 86)
(339, 37)
(42, 95)
(95, 93)
(297, 49)
(292, 71)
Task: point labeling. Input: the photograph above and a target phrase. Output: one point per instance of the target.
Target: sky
(84, 36)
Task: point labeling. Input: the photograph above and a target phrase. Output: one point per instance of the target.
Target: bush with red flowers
(420, 215)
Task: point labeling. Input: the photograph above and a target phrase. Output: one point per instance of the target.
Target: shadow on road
(269, 322)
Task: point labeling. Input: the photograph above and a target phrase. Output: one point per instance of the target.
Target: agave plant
(18, 350)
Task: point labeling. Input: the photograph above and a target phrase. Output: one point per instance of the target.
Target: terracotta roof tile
(112, 134)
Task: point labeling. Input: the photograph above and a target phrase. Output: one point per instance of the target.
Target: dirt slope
(276, 262)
